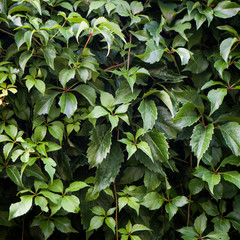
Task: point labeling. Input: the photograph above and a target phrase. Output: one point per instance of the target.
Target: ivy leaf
(28, 38)
(233, 177)
(187, 115)
(195, 186)
(63, 224)
(95, 5)
(44, 104)
(152, 201)
(184, 55)
(216, 97)
(218, 235)
(225, 47)
(231, 135)
(200, 223)
(70, 204)
(68, 103)
(158, 145)
(76, 186)
(49, 53)
(145, 148)
(65, 75)
(47, 227)
(99, 146)
(109, 168)
(171, 209)
(24, 57)
(14, 175)
(41, 202)
(110, 223)
(96, 222)
(226, 9)
(148, 112)
(212, 179)
(88, 92)
(153, 52)
(97, 112)
(200, 139)
(20, 208)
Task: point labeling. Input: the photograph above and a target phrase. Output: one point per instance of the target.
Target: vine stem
(175, 62)
(2, 30)
(58, 30)
(22, 229)
(114, 67)
(116, 213)
(130, 41)
(91, 33)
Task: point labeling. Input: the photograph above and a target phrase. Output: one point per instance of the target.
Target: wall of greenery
(119, 119)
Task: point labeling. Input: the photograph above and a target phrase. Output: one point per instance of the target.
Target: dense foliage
(119, 119)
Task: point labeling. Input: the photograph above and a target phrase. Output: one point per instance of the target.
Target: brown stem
(58, 30)
(6, 32)
(129, 50)
(175, 62)
(22, 230)
(91, 33)
(114, 67)
(116, 213)
(189, 211)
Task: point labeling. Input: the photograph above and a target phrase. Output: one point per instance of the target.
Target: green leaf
(19, 38)
(49, 53)
(179, 201)
(184, 55)
(231, 135)
(200, 223)
(216, 97)
(99, 146)
(171, 209)
(76, 186)
(40, 133)
(96, 222)
(88, 92)
(41, 202)
(20, 208)
(148, 112)
(28, 38)
(232, 160)
(226, 9)
(68, 103)
(145, 148)
(158, 145)
(210, 208)
(97, 210)
(189, 232)
(14, 175)
(133, 203)
(107, 100)
(220, 66)
(218, 235)
(65, 75)
(23, 59)
(187, 115)
(63, 224)
(111, 223)
(151, 180)
(97, 112)
(56, 186)
(47, 227)
(225, 47)
(70, 204)
(233, 177)
(109, 168)
(197, 65)
(195, 186)
(200, 139)
(44, 104)
(212, 179)
(152, 201)
(153, 52)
